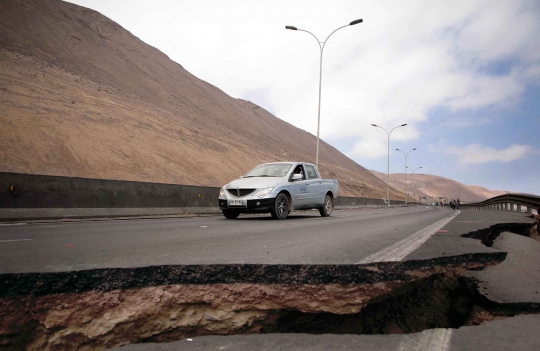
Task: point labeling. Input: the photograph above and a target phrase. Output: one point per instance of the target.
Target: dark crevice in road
(440, 301)
(101, 309)
(487, 310)
(488, 235)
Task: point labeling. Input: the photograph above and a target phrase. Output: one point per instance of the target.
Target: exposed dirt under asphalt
(107, 308)
(104, 308)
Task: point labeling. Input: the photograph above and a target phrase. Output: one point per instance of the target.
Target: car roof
(270, 163)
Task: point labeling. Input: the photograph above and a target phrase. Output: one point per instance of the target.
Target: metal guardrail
(505, 203)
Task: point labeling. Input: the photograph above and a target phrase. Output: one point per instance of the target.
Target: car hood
(254, 183)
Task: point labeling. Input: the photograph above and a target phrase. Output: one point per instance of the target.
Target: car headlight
(222, 194)
(264, 192)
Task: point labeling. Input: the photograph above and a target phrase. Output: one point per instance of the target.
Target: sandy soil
(431, 186)
(81, 96)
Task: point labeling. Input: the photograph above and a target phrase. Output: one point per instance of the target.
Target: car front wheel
(230, 214)
(280, 210)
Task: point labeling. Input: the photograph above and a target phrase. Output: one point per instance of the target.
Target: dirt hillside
(81, 96)
(433, 187)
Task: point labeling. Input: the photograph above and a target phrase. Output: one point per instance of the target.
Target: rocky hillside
(81, 96)
(433, 187)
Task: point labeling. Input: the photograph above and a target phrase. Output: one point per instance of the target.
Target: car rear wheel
(280, 210)
(326, 210)
(230, 214)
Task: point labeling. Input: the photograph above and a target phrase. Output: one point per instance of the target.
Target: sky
(463, 75)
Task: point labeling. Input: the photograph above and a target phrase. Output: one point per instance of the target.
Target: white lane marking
(402, 248)
(432, 339)
(10, 241)
(7, 224)
(356, 213)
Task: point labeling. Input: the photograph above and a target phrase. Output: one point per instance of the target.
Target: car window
(311, 172)
(299, 169)
(270, 170)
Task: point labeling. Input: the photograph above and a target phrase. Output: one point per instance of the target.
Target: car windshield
(270, 170)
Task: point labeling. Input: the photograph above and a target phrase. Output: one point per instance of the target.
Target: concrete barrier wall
(345, 201)
(41, 196)
(39, 191)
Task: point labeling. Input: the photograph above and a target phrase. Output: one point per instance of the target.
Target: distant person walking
(535, 230)
(458, 204)
(537, 217)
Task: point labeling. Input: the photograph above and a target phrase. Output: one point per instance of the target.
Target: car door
(299, 190)
(315, 196)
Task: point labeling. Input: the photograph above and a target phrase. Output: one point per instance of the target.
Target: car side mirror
(296, 176)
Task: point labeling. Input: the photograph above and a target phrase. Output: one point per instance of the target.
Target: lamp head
(291, 27)
(403, 125)
(356, 22)
(374, 125)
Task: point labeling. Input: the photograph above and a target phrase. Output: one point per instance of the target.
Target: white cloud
(372, 145)
(369, 149)
(407, 58)
(479, 154)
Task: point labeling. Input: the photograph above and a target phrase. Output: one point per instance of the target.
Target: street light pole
(414, 170)
(321, 48)
(388, 162)
(406, 154)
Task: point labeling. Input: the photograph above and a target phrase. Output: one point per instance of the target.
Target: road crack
(104, 308)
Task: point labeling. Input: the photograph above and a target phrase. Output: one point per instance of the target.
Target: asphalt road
(516, 280)
(346, 237)
(304, 238)
(518, 333)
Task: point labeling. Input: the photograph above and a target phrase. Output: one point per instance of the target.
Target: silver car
(277, 188)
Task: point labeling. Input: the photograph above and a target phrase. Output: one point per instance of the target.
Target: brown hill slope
(81, 96)
(432, 186)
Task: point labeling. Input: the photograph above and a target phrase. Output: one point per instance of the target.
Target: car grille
(243, 192)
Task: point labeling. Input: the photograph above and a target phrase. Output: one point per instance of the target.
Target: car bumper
(256, 205)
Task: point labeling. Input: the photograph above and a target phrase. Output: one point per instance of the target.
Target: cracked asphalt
(516, 280)
(346, 237)
(305, 238)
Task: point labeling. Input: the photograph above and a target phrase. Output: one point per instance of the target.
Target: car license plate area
(236, 203)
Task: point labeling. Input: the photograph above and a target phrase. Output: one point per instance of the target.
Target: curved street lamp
(388, 162)
(414, 170)
(321, 47)
(406, 154)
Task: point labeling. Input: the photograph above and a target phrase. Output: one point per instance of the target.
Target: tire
(280, 210)
(230, 214)
(328, 205)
